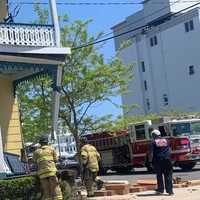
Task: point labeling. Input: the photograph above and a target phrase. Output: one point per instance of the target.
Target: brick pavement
(189, 193)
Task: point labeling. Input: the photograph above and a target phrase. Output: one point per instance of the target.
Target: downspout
(56, 102)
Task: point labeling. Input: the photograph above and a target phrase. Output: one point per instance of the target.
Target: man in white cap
(160, 156)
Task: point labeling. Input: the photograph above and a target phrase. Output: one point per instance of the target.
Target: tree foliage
(87, 81)
(35, 107)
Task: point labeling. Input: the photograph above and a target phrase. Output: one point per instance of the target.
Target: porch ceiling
(19, 70)
(23, 64)
(16, 73)
(36, 55)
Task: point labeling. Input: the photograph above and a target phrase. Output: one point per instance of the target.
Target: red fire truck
(124, 150)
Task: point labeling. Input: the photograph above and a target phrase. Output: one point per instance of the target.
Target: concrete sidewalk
(190, 193)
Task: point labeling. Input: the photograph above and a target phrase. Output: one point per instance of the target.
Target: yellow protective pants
(50, 188)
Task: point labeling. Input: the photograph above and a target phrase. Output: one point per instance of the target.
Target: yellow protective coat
(90, 157)
(45, 157)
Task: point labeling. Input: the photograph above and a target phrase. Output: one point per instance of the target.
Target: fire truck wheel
(187, 166)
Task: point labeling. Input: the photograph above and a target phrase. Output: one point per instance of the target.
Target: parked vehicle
(115, 150)
(68, 163)
(183, 135)
(124, 150)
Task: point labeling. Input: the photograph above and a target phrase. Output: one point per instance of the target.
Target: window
(162, 131)
(180, 129)
(191, 70)
(148, 104)
(186, 27)
(189, 26)
(145, 85)
(143, 66)
(165, 100)
(140, 132)
(153, 41)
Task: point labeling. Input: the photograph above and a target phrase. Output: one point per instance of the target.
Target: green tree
(35, 100)
(87, 82)
(87, 79)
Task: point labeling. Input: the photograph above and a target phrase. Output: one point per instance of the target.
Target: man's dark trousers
(163, 166)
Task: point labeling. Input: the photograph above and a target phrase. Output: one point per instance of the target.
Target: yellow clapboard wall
(9, 117)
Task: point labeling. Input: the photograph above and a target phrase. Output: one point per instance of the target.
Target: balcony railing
(27, 35)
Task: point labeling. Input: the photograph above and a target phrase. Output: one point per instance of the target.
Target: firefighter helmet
(83, 140)
(155, 133)
(44, 139)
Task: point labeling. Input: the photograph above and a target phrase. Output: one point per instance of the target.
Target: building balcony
(30, 43)
(27, 35)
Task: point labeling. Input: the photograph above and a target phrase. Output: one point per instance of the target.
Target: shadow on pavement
(150, 195)
(145, 172)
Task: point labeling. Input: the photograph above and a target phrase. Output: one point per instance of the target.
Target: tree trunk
(78, 147)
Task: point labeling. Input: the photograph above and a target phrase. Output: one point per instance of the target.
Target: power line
(136, 21)
(127, 25)
(102, 3)
(141, 19)
(132, 30)
(120, 3)
(83, 3)
(116, 3)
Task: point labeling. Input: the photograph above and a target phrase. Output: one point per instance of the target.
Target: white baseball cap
(156, 132)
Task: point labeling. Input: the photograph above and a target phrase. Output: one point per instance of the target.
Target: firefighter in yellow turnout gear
(90, 162)
(45, 157)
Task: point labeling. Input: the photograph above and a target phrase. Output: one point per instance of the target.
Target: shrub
(23, 188)
(28, 188)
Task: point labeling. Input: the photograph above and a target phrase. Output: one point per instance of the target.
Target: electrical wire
(126, 25)
(83, 3)
(132, 30)
(114, 3)
(141, 19)
(103, 3)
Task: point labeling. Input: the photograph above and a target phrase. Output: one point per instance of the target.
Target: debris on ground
(122, 190)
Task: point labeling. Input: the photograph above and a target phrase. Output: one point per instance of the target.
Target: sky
(104, 17)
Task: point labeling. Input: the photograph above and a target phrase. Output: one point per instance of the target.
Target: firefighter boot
(99, 183)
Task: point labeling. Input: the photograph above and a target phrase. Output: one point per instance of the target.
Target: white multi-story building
(165, 54)
(65, 145)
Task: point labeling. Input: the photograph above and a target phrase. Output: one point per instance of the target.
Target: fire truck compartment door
(107, 158)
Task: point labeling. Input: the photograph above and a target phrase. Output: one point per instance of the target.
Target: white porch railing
(27, 35)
